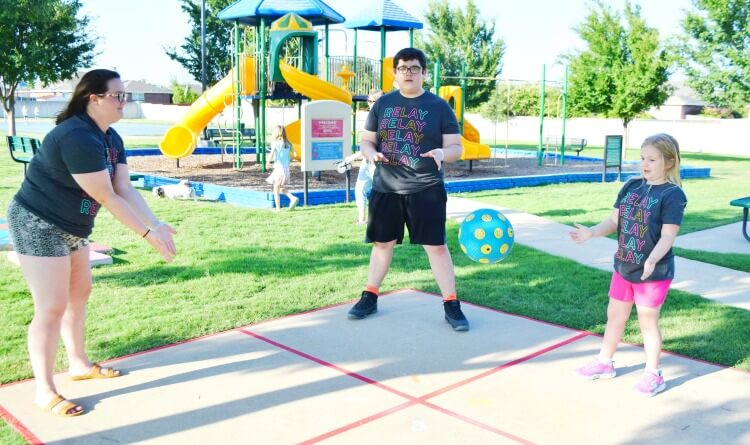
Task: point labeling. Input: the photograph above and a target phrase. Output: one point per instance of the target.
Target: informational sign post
(612, 155)
(326, 135)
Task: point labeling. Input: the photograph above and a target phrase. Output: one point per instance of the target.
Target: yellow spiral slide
(470, 140)
(180, 140)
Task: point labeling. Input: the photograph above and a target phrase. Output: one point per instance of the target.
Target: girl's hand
(581, 234)
(648, 268)
(160, 238)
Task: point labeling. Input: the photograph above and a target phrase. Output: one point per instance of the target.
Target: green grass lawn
(239, 266)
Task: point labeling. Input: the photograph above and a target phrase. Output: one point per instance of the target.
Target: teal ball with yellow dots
(486, 236)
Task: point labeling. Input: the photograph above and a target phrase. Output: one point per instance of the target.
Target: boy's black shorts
(422, 212)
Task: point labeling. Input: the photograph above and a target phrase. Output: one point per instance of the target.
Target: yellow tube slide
(388, 76)
(470, 139)
(180, 140)
(314, 88)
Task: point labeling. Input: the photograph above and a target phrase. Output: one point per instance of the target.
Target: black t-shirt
(49, 191)
(643, 210)
(407, 127)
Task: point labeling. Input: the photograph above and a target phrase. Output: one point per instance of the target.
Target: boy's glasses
(121, 97)
(414, 69)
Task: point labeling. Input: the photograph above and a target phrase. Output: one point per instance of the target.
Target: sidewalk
(401, 376)
(716, 283)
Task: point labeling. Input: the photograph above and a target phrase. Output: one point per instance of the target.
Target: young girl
(281, 155)
(647, 216)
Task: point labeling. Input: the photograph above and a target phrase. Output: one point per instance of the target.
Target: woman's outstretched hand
(160, 237)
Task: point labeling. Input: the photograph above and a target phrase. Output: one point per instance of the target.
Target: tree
(456, 36)
(182, 94)
(40, 40)
(624, 70)
(218, 41)
(524, 101)
(715, 51)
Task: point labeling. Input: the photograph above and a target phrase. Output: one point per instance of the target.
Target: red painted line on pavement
(501, 367)
(357, 423)
(20, 427)
(328, 364)
(477, 423)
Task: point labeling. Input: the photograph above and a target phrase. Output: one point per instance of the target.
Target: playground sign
(326, 131)
(612, 155)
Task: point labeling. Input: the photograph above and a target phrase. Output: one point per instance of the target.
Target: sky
(132, 36)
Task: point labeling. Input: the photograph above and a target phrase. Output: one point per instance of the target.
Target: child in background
(281, 155)
(363, 186)
(647, 216)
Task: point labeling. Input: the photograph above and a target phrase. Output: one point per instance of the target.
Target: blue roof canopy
(383, 13)
(249, 12)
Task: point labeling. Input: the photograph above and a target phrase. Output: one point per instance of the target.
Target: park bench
(745, 204)
(553, 143)
(22, 149)
(226, 135)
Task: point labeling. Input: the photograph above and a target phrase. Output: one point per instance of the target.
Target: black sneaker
(367, 305)
(454, 316)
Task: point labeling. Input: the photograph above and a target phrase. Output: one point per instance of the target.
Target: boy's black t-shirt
(75, 146)
(643, 210)
(407, 127)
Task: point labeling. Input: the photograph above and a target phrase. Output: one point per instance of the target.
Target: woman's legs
(648, 319)
(74, 319)
(618, 313)
(49, 282)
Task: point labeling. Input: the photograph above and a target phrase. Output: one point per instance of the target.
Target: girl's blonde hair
(279, 134)
(670, 151)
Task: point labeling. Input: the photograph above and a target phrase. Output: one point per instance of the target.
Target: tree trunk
(625, 138)
(10, 116)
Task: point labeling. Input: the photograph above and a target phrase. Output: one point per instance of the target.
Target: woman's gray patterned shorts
(33, 236)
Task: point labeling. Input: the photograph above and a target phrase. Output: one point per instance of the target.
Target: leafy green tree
(715, 51)
(182, 94)
(40, 40)
(218, 41)
(456, 36)
(624, 69)
(523, 101)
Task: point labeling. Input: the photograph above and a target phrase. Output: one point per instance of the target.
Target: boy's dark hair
(93, 82)
(407, 54)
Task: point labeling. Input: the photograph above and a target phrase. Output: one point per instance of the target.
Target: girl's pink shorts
(649, 294)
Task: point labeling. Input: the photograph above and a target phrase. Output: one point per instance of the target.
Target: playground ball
(486, 236)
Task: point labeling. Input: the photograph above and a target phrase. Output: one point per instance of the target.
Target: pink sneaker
(650, 385)
(597, 370)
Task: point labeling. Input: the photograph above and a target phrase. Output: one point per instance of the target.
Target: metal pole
(203, 46)
(564, 115)
(411, 37)
(236, 101)
(356, 90)
(541, 117)
(463, 97)
(437, 77)
(327, 55)
(261, 135)
(382, 56)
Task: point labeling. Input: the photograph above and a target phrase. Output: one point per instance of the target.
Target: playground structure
(281, 61)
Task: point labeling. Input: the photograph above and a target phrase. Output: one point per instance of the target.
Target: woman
(80, 167)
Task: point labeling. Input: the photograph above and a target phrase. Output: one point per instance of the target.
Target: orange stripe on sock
(373, 289)
(450, 297)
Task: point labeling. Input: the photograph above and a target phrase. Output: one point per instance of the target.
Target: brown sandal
(97, 372)
(60, 406)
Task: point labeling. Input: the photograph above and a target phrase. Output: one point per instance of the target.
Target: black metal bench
(226, 135)
(745, 204)
(22, 149)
